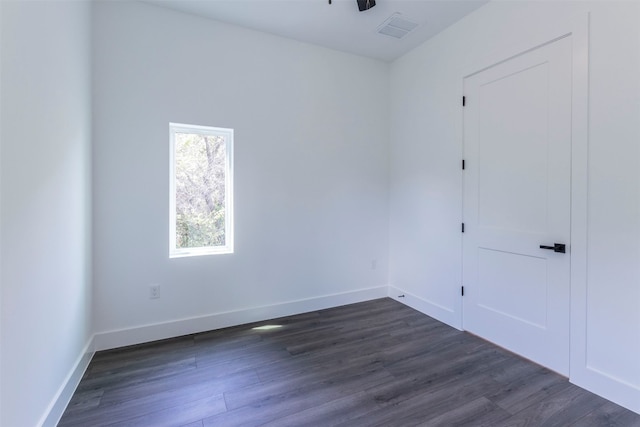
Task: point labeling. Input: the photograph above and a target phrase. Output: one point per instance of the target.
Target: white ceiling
(337, 26)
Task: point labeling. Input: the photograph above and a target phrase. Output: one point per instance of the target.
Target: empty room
(314, 212)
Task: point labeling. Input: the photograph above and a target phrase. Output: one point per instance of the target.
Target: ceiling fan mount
(364, 4)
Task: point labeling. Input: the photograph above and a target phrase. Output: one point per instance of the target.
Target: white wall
(311, 173)
(426, 179)
(1, 57)
(45, 218)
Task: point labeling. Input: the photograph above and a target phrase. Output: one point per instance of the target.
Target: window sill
(182, 253)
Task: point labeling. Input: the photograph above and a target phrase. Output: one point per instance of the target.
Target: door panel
(507, 131)
(517, 127)
(508, 285)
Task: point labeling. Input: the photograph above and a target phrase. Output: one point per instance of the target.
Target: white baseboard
(62, 398)
(157, 331)
(424, 306)
(614, 389)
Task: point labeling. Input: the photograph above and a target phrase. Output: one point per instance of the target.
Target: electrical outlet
(154, 291)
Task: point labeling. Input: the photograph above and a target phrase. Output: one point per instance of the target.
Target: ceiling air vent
(396, 26)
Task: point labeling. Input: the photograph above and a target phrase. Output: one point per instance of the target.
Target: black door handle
(557, 247)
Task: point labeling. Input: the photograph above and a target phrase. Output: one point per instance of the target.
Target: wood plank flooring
(377, 363)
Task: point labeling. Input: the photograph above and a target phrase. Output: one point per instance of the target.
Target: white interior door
(517, 147)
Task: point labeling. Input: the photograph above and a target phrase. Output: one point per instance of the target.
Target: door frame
(578, 30)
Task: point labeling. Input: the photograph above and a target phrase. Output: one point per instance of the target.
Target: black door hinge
(463, 164)
(462, 290)
(463, 227)
(464, 101)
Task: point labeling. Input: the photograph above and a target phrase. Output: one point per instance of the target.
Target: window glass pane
(200, 190)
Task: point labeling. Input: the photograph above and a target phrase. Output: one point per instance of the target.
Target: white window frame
(228, 248)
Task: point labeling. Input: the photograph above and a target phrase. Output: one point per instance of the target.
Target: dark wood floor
(377, 363)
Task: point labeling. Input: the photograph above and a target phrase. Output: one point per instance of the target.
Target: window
(201, 207)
